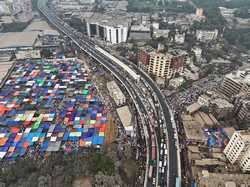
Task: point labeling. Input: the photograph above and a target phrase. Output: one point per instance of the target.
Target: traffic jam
(158, 139)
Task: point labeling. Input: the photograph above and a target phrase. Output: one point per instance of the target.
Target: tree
(101, 162)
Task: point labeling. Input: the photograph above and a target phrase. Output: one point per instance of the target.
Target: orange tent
(14, 130)
(25, 144)
(3, 141)
(81, 143)
(17, 138)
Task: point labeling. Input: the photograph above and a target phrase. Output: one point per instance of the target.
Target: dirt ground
(82, 182)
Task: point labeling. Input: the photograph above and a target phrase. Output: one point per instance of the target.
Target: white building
(156, 25)
(160, 33)
(204, 100)
(206, 35)
(238, 149)
(116, 34)
(198, 52)
(4, 8)
(107, 28)
(87, 1)
(116, 93)
(179, 38)
(176, 82)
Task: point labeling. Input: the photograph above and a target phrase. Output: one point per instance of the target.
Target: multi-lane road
(162, 163)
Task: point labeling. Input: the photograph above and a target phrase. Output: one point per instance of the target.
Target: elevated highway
(136, 82)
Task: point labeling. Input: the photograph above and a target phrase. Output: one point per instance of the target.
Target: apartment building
(235, 83)
(167, 65)
(221, 108)
(206, 35)
(238, 149)
(242, 107)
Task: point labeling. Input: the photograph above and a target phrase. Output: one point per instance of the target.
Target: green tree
(101, 162)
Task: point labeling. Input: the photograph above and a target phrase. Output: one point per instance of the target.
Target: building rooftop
(18, 39)
(140, 28)
(245, 135)
(208, 162)
(115, 5)
(107, 19)
(229, 131)
(222, 103)
(205, 119)
(193, 108)
(241, 76)
(193, 129)
(230, 184)
(208, 179)
(125, 117)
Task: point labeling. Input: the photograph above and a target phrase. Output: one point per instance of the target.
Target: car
(162, 144)
(165, 163)
(161, 152)
(166, 152)
(153, 181)
(160, 163)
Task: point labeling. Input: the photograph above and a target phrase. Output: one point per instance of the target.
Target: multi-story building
(221, 108)
(167, 65)
(143, 56)
(140, 32)
(206, 35)
(242, 107)
(107, 28)
(238, 149)
(198, 53)
(235, 83)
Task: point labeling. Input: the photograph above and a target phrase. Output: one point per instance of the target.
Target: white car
(153, 181)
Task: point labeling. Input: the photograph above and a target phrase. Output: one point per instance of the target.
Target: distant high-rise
(238, 149)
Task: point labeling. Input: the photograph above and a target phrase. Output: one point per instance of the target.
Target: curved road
(173, 149)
